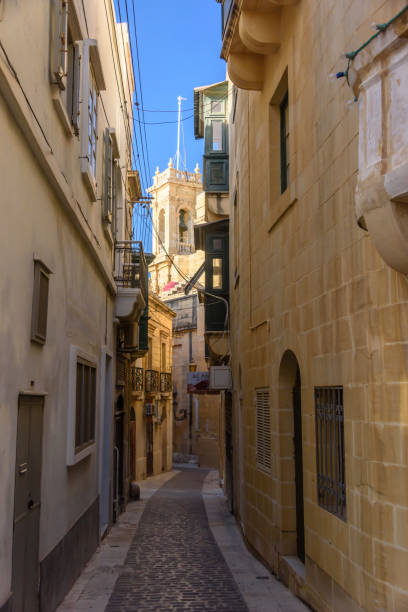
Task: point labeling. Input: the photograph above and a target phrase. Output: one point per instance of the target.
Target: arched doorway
(291, 454)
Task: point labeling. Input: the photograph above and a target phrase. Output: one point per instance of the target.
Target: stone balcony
(252, 29)
(379, 77)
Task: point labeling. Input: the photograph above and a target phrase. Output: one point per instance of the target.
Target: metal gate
(297, 420)
(27, 503)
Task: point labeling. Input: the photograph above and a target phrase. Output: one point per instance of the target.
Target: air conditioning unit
(220, 377)
(149, 409)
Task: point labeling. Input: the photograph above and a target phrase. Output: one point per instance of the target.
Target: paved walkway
(178, 549)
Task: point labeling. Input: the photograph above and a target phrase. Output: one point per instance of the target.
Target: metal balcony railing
(165, 382)
(137, 378)
(152, 381)
(184, 248)
(130, 266)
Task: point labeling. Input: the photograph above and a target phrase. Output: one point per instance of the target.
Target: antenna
(179, 100)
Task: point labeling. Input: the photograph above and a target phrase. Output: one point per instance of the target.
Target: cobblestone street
(177, 549)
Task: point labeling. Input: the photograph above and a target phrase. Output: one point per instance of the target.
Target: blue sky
(179, 45)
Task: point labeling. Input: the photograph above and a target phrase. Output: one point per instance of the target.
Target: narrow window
(217, 135)
(284, 142)
(85, 405)
(162, 229)
(150, 354)
(217, 273)
(263, 429)
(163, 357)
(40, 302)
(92, 122)
(331, 482)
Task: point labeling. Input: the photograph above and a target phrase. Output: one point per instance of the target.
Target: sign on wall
(199, 382)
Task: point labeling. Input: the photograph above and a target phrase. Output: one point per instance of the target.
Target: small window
(217, 135)
(217, 273)
(163, 357)
(263, 429)
(217, 244)
(40, 302)
(284, 142)
(331, 482)
(92, 122)
(85, 405)
(217, 173)
(217, 107)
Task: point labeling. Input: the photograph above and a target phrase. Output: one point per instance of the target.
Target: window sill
(61, 112)
(78, 457)
(280, 206)
(89, 179)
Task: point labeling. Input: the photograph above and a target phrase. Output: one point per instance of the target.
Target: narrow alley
(177, 548)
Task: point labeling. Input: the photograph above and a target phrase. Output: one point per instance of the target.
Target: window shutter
(263, 429)
(115, 171)
(59, 42)
(76, 88)
(107, 213)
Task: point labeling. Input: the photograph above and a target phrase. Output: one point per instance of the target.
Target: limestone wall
(311, 282)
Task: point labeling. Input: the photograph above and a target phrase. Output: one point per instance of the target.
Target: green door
(27, 502)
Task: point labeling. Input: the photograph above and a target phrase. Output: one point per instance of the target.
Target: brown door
(27, 502)
(297, 419)
(149, 447)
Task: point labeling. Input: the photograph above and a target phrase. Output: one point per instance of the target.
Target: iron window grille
(263, 429)
(331, 482)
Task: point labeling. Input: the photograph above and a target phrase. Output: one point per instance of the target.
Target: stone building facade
(175, 207)
(318, 303)
(67, 190)
(151, 420)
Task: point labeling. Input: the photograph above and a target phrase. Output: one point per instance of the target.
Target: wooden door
(297, 418)
(149, 447)
(27, 504)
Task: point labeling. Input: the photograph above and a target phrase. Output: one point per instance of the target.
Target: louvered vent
(263, 429)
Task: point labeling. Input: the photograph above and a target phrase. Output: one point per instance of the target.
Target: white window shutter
(76, 88)
(59, 42)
